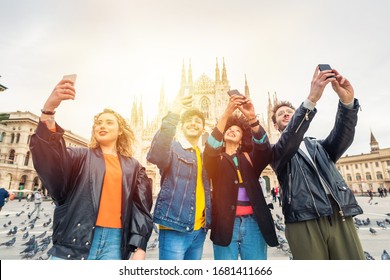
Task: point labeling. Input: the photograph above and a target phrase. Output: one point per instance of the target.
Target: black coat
(74, 179)
(223, 174)
(302, 179)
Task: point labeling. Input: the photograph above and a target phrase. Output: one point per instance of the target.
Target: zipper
(341, 212)
(306, 118)
(307, 184)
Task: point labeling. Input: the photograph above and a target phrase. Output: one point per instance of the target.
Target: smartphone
(324, 67)
(234, 92)
(71, 77)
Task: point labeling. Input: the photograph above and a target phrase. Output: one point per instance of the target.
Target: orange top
(111, 198)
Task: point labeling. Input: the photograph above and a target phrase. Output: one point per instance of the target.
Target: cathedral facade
(209, 96)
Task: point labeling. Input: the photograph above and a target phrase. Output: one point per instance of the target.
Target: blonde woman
(103, 195)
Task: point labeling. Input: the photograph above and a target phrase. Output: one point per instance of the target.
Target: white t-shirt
(37, 198)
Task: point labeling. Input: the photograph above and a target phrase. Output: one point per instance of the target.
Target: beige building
(367, 171)
(16, 168)
(361, 172)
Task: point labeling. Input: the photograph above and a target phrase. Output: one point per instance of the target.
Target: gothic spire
(217, 74)
(183, 75)
(247, 88)
(190, 74)
(224, 75)
(374, 144)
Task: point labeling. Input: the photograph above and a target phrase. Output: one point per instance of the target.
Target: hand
(180, 103)
(64, 90)
(138, 255)
(343, 88)
(318, 83)
(247, 109)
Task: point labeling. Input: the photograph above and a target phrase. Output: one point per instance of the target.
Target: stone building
(16, 168)
(367, 171)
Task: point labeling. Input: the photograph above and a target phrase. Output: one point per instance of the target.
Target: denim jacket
(176, 160)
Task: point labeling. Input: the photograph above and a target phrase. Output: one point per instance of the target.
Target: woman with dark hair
(236, 153)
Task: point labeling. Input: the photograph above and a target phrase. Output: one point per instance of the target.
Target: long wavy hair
(126, 138)
(241, 122)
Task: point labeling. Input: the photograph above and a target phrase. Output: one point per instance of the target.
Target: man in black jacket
(318, 206)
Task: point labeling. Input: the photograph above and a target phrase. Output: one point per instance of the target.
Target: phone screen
(324, 67)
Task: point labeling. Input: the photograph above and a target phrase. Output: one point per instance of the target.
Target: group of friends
(104, 201)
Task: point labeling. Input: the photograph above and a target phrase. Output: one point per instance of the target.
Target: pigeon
(153, 245)
(45, 224)
(25, 235)
(281, 240)
(155, 228)
(385, 255)
(387, 221)
(30, 247)
(9, 223)
(5, 225)
(366, 222)
(388, 214)
(23, 229)
(358, 222)
(42, 234)
(279, 226)
(13, 230)
(368, 256)
(30, 254)
(20, 213)
(9, 243)
(381, 224)
(30, 241)
(46, 240)
(373, 231)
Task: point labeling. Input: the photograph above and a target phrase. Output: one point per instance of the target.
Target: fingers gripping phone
(324, 67)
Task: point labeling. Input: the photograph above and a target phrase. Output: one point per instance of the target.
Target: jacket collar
(185, 144)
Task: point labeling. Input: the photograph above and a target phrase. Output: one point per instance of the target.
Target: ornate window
(379, 175)
(11, 157)
(27, 159)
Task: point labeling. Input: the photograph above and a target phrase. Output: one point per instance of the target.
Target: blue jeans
(176, 245)
(247, 242)
(106, 245)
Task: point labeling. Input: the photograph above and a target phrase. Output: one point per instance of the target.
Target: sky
(125, 50)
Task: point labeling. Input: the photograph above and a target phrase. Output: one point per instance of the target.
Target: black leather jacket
(303, 194)
(74, 179)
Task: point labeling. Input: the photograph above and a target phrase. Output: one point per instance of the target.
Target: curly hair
(278, 105)
(241, 122)
(190, 113)
(126, 139)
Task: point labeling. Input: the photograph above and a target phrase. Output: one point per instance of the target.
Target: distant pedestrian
(37, 203)
(273, 193)
(370, 194)
(3, 195)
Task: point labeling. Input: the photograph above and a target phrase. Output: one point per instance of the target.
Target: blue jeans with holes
(176, 245)
(247, 242)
